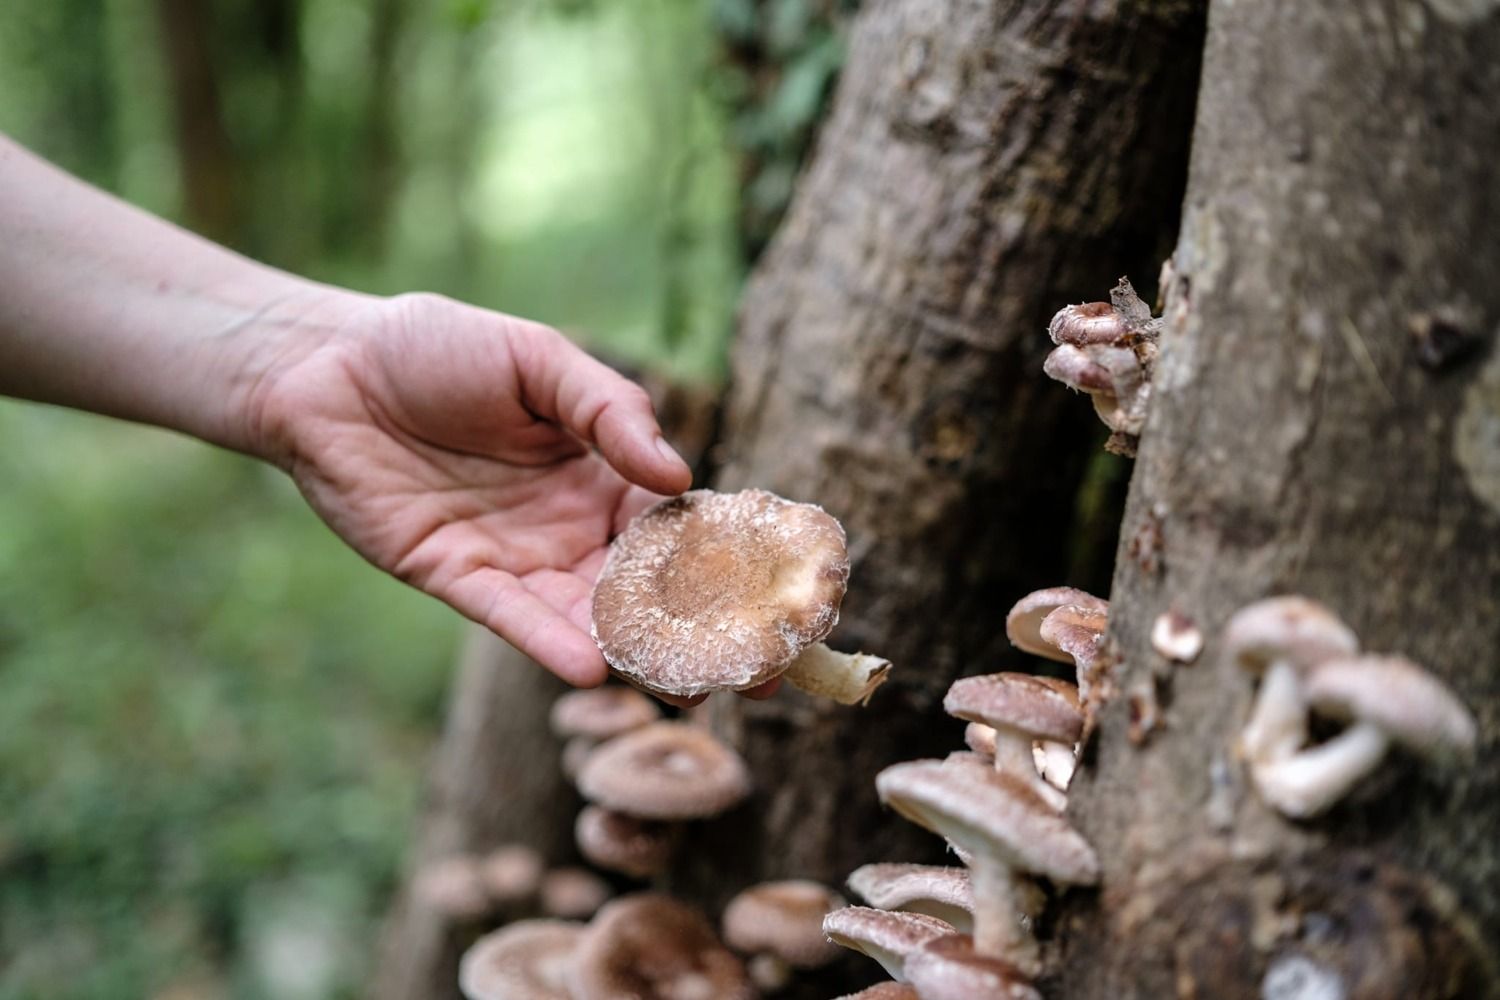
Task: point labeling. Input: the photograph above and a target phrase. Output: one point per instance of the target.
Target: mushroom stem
(1013, 756)
(1306, 783)
(847, 678)
(1056, 762)
(998, 929)
(1278, 723)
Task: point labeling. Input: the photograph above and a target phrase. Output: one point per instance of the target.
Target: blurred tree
(1324, 423)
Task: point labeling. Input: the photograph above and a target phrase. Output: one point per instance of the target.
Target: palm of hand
(417, 432)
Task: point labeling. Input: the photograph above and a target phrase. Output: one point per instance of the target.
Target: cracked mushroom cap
(718, 591)
(939, 891)
(1023, 623)
(1393, 694)
(619, 843)
(602, 713)
(784, 919)
(887, 936)
(651, 947)
(526, 960)
(1293, 629)
(1040, 707)
(665, 771)
(948, 968)
(990, 814)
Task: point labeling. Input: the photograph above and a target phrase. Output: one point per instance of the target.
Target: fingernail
(668, 452)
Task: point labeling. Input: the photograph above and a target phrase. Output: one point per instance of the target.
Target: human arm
(449, 445)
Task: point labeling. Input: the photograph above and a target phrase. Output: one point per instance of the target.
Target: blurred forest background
(214, 718)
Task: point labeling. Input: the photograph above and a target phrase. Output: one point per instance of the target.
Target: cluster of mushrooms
(966, 933)
(644, 778)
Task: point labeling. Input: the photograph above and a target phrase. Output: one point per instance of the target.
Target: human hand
(449, 446)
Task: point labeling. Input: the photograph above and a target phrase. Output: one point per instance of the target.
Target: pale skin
(479, 457)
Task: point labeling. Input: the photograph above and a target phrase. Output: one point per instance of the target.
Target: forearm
(106, 308)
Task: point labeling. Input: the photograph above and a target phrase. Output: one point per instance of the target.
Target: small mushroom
(1108, 350)
(1006, 828)
(1023, 623)
(573, 893)
(887, 936)
(1176, 637)
(453, 887)
(949, 968)
(1078, 630)
(1282, 639)
(665, 771)
(780, 924)
(939, 891)
(619, 843)
(602, 713)
(1384, 700)
(1021, 709)
(651, 947)
(526, 960)
(511, 874)
(726, 591)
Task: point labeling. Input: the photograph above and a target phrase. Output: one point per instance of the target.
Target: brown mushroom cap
(887, 936)
(620, 843)
(1087, 323)
(718, 591)
(1041, 708)
(784, 919)
(939, 891)
(601, 713)
(526, 960)
(1405, 702)
(651, 947)
(990, 814)
(573, 893)
(1076, 630)
(667, 770)
(1023, 623)
(511, 873)
(949, 968)
(1292, 629)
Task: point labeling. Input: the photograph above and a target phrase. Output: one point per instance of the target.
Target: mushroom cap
(454, 887)
(620, 843)
(600, 713)
(940, 891)
(1082, 369)
(884, 991)
(718, 591)
(573, 893)
(1398, 697)
(784, 919)
(948, 968)
(1293, 629)
(1040, 708)
(651, 947)
(511, 873)
(667, 770)
(991, 814)
(1023, 623)
(526, 960)
(1077, 630)
(887, 936)
(1087, 323)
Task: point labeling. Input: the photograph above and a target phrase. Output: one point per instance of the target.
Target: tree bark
(1326, 421)
(983, 161)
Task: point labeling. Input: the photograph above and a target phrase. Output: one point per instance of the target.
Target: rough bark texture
(1326, 422)
(984, 161)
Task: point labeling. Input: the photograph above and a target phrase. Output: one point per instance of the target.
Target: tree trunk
(983, 161)
(1326, 421)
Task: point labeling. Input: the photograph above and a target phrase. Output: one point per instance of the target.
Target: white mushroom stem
(1304, 784)
(847, 678)
(1013, 756)
(1056, 762)
(1278, 721)
(998, 927)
